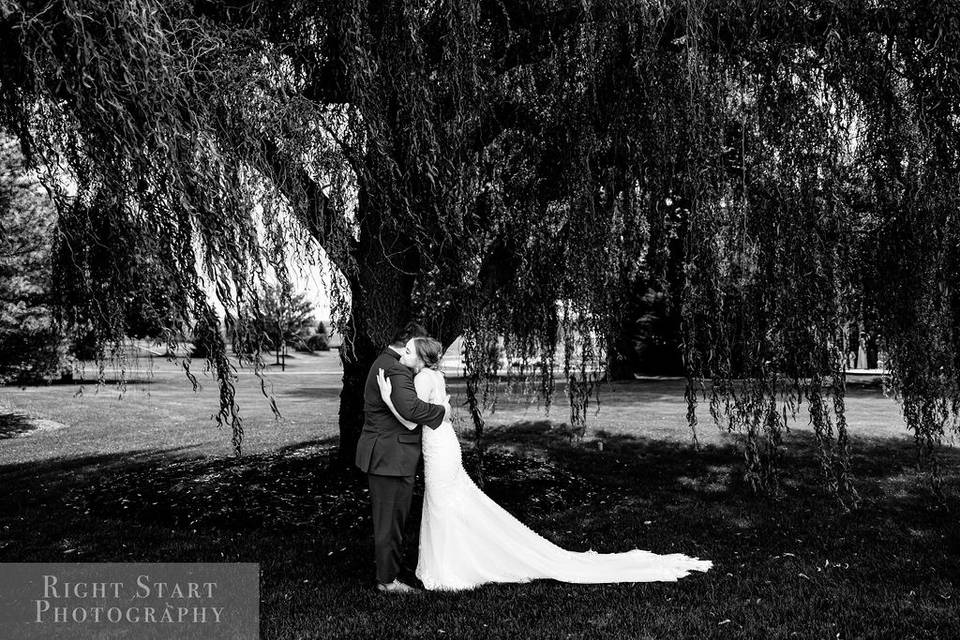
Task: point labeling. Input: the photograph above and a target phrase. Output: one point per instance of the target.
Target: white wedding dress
(466, 539)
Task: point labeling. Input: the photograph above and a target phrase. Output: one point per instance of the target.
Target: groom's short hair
(409, 330)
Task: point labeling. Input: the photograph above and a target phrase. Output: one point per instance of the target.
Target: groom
(388, 452)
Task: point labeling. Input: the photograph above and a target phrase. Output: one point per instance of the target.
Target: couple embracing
(466, 539)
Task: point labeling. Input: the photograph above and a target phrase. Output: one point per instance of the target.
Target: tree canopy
(511, 168)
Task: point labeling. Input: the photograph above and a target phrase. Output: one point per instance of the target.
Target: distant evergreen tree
(319, 341)
(31, 347)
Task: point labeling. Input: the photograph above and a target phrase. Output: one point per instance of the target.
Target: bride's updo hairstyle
(430, 351)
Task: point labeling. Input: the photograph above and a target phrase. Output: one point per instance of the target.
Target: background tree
(148, 306)
(141, 288)
(320, 340)
(31, 346)
(283, 319)
(648, 337)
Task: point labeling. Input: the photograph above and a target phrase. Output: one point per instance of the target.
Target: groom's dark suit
(388, 453)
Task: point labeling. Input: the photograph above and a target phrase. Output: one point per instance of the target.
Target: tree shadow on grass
(315, 393)
(297, 511)
(15, 424)
(172, 488)
(668, 475)
(873, 458)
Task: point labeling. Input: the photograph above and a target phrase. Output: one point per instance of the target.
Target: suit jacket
(386, 447)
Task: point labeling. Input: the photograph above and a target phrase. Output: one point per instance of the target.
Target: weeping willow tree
(507, 170)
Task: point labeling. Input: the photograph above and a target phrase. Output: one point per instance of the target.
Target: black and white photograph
(469, 319)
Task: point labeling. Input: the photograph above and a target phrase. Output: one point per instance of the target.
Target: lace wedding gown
(466, 539)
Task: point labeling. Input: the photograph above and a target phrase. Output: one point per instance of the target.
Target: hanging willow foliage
(507, 170)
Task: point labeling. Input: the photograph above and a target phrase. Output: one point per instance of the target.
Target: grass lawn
(147, 477)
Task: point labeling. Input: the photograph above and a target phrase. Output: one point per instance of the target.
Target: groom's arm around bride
(408, 403)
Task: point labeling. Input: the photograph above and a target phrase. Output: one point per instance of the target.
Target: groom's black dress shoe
(396, 587)
(409, 578)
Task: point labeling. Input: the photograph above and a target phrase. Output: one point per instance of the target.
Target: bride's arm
(385, 390)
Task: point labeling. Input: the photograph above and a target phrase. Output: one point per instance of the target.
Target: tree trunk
(381, 301)
(366, 343)
(356, 361)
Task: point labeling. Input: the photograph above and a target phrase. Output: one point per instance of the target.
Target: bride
(466, 539)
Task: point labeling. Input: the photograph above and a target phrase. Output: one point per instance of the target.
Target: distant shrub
(318, 342)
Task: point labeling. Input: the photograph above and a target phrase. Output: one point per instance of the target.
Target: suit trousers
(391, 497)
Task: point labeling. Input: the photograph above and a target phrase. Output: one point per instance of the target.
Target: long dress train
(466, 539)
